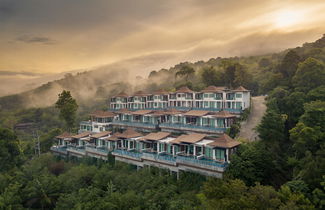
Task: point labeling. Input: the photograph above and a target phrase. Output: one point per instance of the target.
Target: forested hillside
(284, 170)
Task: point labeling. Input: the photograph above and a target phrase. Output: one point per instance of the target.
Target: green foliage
(289, 64)
(186, 71)
(310, 75)
(317, 94)
(212, 77)
(234, 130)
(252, 163)
(234, 194)
(271, 128)
(68, 108)
(10, 154)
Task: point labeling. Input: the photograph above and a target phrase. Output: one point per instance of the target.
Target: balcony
(102, 151)
(190, 127)
(134, 124)
(234, 111)
(77, 150)
(127, 154)
(59, 149)
(189, 161)
(204, 163)
(163, 158)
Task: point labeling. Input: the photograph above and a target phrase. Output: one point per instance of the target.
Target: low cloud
(35, 39)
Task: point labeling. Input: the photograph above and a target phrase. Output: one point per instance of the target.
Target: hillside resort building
(179, 131)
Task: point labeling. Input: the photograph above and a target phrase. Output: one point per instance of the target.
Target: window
(238, 95)
(212, 104)
(211, 95)
(205, 95)
(208, 152)
(238, 105)
(206, 104)
(220, 154)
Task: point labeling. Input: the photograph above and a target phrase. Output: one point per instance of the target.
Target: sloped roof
(64, 135)
(184, 89)
(224, 114)
(101, 134)
(160, 92)
(141, 112)
(114, 137)
(158, 113)
(121, 94)
(212, 89)
(140, 93)
(190, 138)
(197, 113)
(100, 113)
(241, 88)
(82, 135)
(156, 136)
(224, 141)
(173, 111)
(128, 133)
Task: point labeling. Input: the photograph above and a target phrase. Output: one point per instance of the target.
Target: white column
(194, 150)
(213, 154)
(158, 147)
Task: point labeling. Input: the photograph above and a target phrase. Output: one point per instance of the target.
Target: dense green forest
(284, 170)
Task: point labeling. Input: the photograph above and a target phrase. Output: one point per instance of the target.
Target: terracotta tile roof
(128, 133)
(224, 141)
(140, 93)
(158, 113)
(224, 114)
(101, 134)
(173, 111)
(184, 89)
(121, 94)
(100, 113)
(64, 135)
(212, 89)
(155, 136)
(197, 113)
(114, 137)
(82, 135)
(190, 138)
(142, 112)
(241, 88)
(160, 92)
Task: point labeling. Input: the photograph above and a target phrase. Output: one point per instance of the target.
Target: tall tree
(185, 71)
(289, 64)
(68, 108)
(310, 75)
(211, 77)
(9, 150)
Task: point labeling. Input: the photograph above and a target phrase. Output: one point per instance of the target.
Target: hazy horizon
(59, 36)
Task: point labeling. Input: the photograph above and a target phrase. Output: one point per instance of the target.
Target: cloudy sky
(50, 36)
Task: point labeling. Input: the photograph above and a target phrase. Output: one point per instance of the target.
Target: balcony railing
(174, 160)
(76, 150)
(192, 127)
(207, 164)
(59, 149)
(135, 124)
(159, 158)
(127, 154)
(99, 150)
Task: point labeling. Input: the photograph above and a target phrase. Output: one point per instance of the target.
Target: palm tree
(185, 71)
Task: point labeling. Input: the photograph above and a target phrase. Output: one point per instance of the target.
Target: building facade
(193, 152)
(211, 98)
